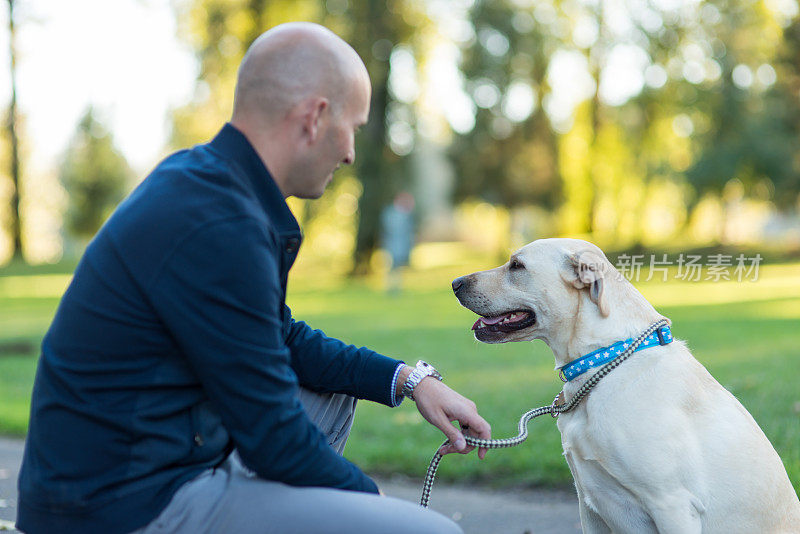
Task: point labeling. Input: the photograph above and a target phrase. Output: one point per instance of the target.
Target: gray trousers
(232, 500)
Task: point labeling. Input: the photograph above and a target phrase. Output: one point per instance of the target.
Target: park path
(10, 458)
(477, 510)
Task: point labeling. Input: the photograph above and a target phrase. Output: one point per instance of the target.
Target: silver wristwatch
(422, 370)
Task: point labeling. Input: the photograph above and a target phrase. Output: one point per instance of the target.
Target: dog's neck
(629, 315)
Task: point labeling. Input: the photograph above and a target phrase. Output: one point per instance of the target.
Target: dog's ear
(588, 269)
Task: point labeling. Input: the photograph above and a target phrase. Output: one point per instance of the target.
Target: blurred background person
(397, 232)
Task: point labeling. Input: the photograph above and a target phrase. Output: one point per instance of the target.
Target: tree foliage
(95, 176)
(510, 156)
(694, 119)
(752, 130)
(690, 126)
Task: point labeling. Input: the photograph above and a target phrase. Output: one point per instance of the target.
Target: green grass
(747, 334)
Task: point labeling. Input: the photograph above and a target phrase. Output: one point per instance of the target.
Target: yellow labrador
(658, 445)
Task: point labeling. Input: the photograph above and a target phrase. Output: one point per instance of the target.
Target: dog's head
(540, 290)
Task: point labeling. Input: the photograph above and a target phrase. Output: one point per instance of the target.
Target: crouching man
(175, 392)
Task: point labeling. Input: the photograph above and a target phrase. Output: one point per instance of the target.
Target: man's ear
(588, 270)
(312, 112)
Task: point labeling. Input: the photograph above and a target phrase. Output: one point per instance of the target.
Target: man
(175, 393)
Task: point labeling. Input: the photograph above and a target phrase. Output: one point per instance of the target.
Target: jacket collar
(234, 146)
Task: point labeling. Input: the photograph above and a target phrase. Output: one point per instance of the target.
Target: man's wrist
(402, 376)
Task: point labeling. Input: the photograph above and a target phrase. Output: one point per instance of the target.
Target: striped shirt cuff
(396, 399)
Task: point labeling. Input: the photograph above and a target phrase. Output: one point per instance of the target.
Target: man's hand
(440, 405)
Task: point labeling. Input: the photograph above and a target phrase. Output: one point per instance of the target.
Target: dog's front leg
(677, 513)
(591, 522)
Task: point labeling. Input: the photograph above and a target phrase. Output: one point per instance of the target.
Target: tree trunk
(373, 176)
(11, 126)
(372, 166)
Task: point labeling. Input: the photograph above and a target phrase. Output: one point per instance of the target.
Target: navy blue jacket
(173, 345)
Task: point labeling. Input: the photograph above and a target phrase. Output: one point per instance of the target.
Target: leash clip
(554, 413)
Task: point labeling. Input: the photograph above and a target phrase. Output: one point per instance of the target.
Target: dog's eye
(515, 265)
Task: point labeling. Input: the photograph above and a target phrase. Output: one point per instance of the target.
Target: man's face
(336, 141)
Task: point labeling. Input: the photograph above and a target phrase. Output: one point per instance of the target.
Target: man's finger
(480, 429)
(450, 449)
(447, 449)
(453, 434)
(467, 432)
(469, 448)
(477, 425)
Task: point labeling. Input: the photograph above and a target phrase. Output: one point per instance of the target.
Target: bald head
(301, 94)
(290, 63)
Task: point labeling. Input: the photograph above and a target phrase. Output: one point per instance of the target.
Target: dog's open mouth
(507, 322)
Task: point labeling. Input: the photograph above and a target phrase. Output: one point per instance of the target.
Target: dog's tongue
(489, 320)
(494, 320)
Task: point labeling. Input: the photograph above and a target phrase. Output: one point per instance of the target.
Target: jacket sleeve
(328, 365)
(219, 295)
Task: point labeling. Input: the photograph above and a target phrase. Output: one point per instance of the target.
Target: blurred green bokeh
(633, 124)
(646, 127)
(746, 333)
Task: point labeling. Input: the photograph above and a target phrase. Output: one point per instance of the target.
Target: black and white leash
(554, 410)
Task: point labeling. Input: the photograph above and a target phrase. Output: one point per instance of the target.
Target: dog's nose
(457, 283)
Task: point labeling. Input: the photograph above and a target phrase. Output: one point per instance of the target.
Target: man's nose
(458, 283)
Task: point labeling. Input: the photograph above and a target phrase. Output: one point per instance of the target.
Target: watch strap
(420, 371)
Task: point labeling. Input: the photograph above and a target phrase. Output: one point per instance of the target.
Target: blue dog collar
(575, 368)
